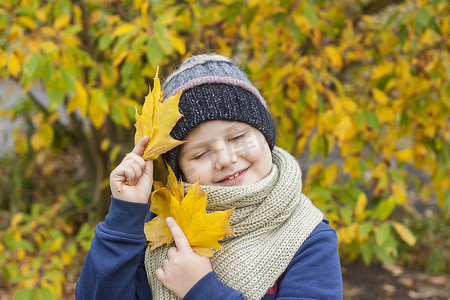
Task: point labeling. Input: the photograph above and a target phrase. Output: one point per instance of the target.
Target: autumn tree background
(359, 90)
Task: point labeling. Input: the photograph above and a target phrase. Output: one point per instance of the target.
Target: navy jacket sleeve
(113, 268)
(314, 273)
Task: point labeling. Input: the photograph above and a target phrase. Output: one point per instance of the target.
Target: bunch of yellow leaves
(203, 230)
(156, 121)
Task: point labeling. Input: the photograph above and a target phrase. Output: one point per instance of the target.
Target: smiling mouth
(230, 178)
(234, 176)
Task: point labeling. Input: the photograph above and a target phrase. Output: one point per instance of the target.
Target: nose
(224, 156)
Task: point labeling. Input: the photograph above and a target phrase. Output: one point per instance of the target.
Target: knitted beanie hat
(214, 88)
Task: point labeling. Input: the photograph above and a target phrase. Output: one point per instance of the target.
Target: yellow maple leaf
(156, 121)
(203, 230)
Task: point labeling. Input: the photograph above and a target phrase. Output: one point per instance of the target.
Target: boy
(282, 248)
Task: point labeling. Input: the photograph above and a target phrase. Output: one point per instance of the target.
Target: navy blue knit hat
(214, 88)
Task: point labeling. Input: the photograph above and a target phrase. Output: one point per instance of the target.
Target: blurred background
(359, 91)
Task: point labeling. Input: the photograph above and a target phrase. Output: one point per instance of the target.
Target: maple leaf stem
(120, 187)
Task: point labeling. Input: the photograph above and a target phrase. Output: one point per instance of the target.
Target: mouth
(233, 178)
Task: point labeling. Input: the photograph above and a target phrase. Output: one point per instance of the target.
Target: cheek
(195, 171)
(261, 156)
(259, 150)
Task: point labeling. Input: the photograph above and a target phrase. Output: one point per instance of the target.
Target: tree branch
(375, 6)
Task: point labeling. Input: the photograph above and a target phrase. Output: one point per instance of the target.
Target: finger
(159, 273)
(129, 173)
(171, 253)
(140, 146)
(178, 235)
(136, 159)
(148, 167)
(164, 265)
(137, 172)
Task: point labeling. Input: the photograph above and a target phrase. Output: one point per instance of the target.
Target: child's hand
(183, 268)
(137, 172)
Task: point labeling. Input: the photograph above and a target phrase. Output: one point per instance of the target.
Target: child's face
(222, 152)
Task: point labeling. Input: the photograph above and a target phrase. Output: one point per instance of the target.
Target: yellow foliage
(203, 230)
(79, 100)
(334, 57)
(61, 22)
(380, 96)
(361, 204)
(406, 155)
(330, 174)
(42, 138)
(26, 21)
(156, 121)
(345, 129)
(96, 114)
(123, 29)
(405, 234)
(13, 65)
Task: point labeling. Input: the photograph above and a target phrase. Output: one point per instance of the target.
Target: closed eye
(238, 136)
(198, 156)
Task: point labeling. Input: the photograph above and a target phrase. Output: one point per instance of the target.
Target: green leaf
(137, 44)
(24, 294)
(366, 249)
(279, 18)
(434, 26)
(436, 262)
(390, 20)
(447, 199)
(384, 208)
(42, 294)
(296, 32)
(4, 21)
(25, 10)
(56, 97)
(320, 193)
(155, 53)
(365, 228)
(98, 96)
(382, 254)
(46, 69)
(421, 20)
(435, 2)
(404, 119)
(125, 73)
(372, 120)
(24, 244)
(31, 67)
(104, 42)
(310, 13)
(382, 234)
(250, 15)
(69, 79)
(402, 34)
(231, 11)
(164, 38)
(423, 17)
(10, 241)
(360, 117)
(318, 145)
(346, 215)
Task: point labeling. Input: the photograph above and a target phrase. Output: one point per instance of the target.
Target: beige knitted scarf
(271, 221)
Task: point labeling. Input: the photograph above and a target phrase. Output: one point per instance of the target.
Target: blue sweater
(114, 266)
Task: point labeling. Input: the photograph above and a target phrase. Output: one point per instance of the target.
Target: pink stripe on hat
(220, 79)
